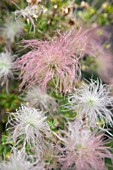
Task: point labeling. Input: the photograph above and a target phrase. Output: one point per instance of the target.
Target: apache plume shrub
(52, 67)
(55, 60)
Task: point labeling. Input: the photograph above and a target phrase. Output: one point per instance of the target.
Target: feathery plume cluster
(6, 66)
(53, 65)
(40, 99)
(93, 103)
(30, 13)
(55, 60)
(11, 29)
(29, 125)
(83, 149)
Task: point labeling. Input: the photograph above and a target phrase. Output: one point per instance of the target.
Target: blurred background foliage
(57, 17)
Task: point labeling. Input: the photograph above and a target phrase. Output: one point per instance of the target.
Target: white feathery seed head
(40, 99)
(30, 13)
(6, 66)
(91, 101)
(12, 29)
(30, 125)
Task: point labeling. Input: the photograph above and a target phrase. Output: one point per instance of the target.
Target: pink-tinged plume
(55, 60)
(83, 149)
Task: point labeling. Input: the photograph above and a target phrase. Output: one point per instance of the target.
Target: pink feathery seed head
(84, 150)
(55, 60)
(76, 41)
